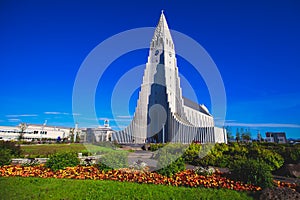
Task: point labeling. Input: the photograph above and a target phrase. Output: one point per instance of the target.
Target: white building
(99, 134)
(162, 113)
(33, 132)
(276, 137)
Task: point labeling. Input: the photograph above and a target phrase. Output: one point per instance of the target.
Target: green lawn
(38, 188)
(44, 150)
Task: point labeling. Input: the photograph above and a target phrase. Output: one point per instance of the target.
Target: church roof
(189, 103)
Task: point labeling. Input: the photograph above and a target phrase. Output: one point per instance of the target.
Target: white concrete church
(162, 113)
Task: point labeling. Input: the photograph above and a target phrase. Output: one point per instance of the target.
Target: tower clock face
(156, 52)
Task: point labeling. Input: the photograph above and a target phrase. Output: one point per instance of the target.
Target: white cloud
(264, 125)
(56, 113)
(122, 120)
(23, 115)
(14, 120)
(102, 118)
(124, 116)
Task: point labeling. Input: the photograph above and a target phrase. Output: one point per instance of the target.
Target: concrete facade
(162, 113)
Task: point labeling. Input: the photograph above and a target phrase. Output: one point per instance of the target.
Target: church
(162, 114)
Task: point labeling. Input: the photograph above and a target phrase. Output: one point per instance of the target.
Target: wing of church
(162, 113)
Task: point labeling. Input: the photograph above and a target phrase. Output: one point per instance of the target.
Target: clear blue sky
(255, 45)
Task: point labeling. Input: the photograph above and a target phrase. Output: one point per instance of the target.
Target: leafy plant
(61, 160)
(155, 147)
(5, 157)
(273, 159)
(103, 167)
(175, 167)
(115, 160)
(170, 160)
(192, 152)
(14, 148)
(252, 172)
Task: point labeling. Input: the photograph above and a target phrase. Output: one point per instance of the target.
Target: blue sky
(255, 45)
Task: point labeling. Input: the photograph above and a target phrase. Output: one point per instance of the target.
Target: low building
(34, 132)
(99, 134)
(276, 137)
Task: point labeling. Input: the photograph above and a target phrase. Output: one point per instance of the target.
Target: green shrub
(14, 148)
(103, 167)
(155, 147)
(291, 154)
(175, 167)
(273, 159)
(5, 157)
(169, 159)
(114, 160)
(61, 160)
(295, 156)
(192, 152)
(253, 172)
(223, 155)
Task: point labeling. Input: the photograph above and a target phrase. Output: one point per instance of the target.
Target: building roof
(201, 108)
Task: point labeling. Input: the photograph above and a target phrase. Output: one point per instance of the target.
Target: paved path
(145, 156)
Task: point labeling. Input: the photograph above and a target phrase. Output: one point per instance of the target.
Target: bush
(175, 167)
(291, 154)
(61, 160)
(5, 157)
(155, 147)
(223, 155)
(273, 159)
(192, 153)
(103, 167)
(14, 148)
(169, 159)
(253, 172)
(114, 160)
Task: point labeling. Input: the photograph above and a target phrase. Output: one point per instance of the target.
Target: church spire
(162, 36)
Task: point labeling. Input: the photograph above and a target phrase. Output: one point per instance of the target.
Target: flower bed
(187, 178)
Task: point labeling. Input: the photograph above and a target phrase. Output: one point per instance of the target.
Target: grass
(38, 188)
(44, 150)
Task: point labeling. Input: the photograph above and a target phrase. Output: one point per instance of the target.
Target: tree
(229, 133)
(71, 135)
(237, 135)
(259, 137)
(246, 136)
(23, 127)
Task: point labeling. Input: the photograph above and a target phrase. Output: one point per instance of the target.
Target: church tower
(162, 113)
